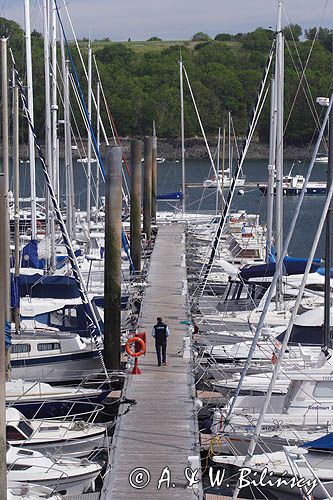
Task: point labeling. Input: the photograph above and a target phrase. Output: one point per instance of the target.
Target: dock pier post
(154, 179)
(135, 222)
(147, 187)
(112, 267)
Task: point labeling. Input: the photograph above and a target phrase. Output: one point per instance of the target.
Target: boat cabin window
(19, 348)
(48, 346)
(70, 320)
(13, 434)
(56, 318)
(323, 389)
(25, 427)
(19, 467)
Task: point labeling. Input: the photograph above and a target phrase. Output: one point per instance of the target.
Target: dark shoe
(158, 365)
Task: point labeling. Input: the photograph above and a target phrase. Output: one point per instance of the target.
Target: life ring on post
(137, 353)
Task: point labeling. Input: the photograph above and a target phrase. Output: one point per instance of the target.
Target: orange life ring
(138, 353)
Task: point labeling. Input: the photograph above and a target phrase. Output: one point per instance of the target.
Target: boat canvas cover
(322, 443)
(292, 265)
(178, 195)
(48, 287)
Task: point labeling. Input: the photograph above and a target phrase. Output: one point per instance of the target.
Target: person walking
(160, 332)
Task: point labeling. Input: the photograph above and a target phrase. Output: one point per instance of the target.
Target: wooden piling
(136, 152)
(154, 178)
(3, 303)
(147, 187)
(112, 272)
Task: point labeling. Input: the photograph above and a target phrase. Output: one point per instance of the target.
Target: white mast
(54, 105)
(98, 139)
(271, 170)
(218, 171)
(67, 135)
(48, 131)
(89, 140)
(31, 111)
(279, 79)
(182, 129)
(229, 146)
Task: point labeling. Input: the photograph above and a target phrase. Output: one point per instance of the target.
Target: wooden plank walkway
(161, 429)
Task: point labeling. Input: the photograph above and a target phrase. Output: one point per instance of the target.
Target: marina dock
(161, 429)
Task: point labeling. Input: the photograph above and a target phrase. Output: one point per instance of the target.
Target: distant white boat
(212, 183)
(322, 159)
(85, 160)
(159, 160)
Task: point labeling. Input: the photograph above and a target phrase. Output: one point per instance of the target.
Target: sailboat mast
(89, 140)
(279, 78)
(328, 243)
(54, 104)
(222, 171)
(31, 111)
(67, 134)
(98, 139)
(271, 171)
(16, 195)
(182, 129)
(218, 170)
(48, 131)
(229, 146)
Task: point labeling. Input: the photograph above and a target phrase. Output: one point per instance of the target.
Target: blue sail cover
(8, 335)
(178, 195)
(29, 256)
(291, 265)
(321, 271)
(48, 287)
(14, 291)
(322, 443)
(126, 248)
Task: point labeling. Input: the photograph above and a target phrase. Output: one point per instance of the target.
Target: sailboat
(224, 176)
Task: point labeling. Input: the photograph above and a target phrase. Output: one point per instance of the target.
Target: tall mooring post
(147, 189)
(3, 305)
(112, 267)
(154, 178)
(136, 152)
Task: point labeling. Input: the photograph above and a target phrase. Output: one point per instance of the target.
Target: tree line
(225, 73)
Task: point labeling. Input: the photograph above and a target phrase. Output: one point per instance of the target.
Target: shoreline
(195, 149)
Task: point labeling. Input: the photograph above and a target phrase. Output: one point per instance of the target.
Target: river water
(197, 199)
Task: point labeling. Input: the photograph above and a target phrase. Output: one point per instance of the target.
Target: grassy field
(145, 46)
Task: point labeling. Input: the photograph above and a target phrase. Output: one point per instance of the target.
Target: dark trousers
(161, 349)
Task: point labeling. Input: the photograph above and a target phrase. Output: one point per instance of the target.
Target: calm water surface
(197, 199)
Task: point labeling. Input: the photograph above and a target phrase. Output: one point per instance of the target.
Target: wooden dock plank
(161, 429)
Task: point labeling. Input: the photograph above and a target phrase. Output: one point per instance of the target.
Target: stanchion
(136, 370)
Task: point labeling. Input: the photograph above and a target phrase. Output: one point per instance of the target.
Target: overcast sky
(174, 19)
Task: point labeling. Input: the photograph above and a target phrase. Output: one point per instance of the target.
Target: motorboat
(65, 476)
(40, 400)
(25, 491)
(55, 437)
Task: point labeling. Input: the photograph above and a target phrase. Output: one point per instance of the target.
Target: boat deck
(161, 429)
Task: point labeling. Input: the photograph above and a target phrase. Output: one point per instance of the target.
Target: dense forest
(225, 73)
